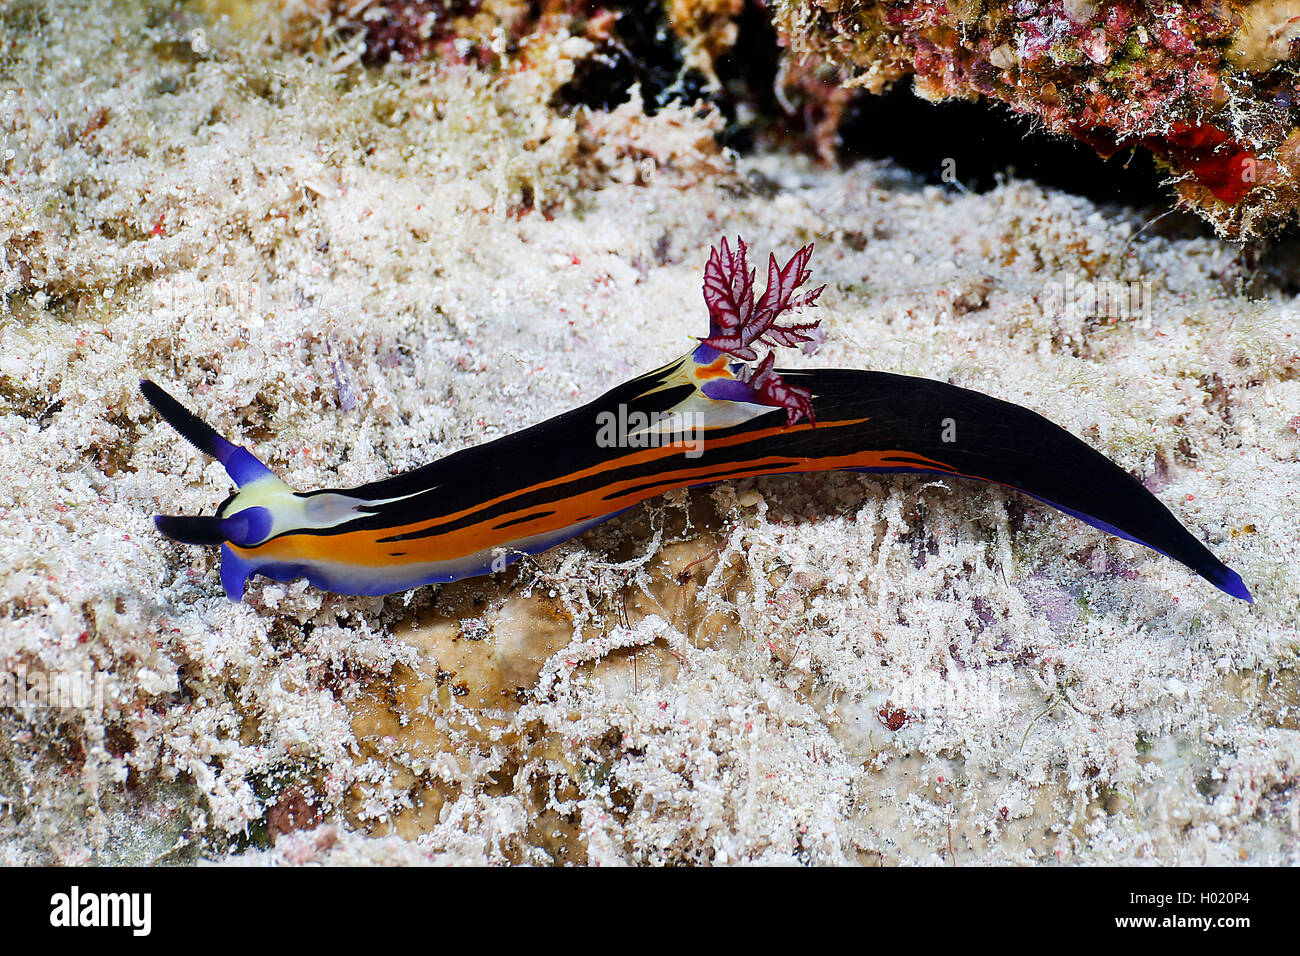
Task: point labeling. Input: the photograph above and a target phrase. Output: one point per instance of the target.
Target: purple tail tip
(1229, 581)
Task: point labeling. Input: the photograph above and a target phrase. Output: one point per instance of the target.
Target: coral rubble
(358, 268)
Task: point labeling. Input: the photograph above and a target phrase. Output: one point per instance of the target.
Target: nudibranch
(709, 416)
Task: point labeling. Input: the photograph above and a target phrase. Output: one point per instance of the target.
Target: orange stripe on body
(634, 458)
(363, 548)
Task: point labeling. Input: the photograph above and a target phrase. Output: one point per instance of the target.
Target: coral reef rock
(1211, 89)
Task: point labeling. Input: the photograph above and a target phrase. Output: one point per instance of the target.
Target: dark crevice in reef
(748, 74)
(640, 49)
(985, 142)
(802, 108)
(643, 49)
(982, 143)
(1272, 265)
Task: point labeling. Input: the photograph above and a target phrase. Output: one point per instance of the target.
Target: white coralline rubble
(710, 678)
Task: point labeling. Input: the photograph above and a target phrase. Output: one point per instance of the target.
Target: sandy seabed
(355, 272)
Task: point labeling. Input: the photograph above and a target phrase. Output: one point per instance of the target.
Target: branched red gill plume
(736, 322)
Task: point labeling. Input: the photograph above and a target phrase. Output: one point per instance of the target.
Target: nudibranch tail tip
(1230, 582)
